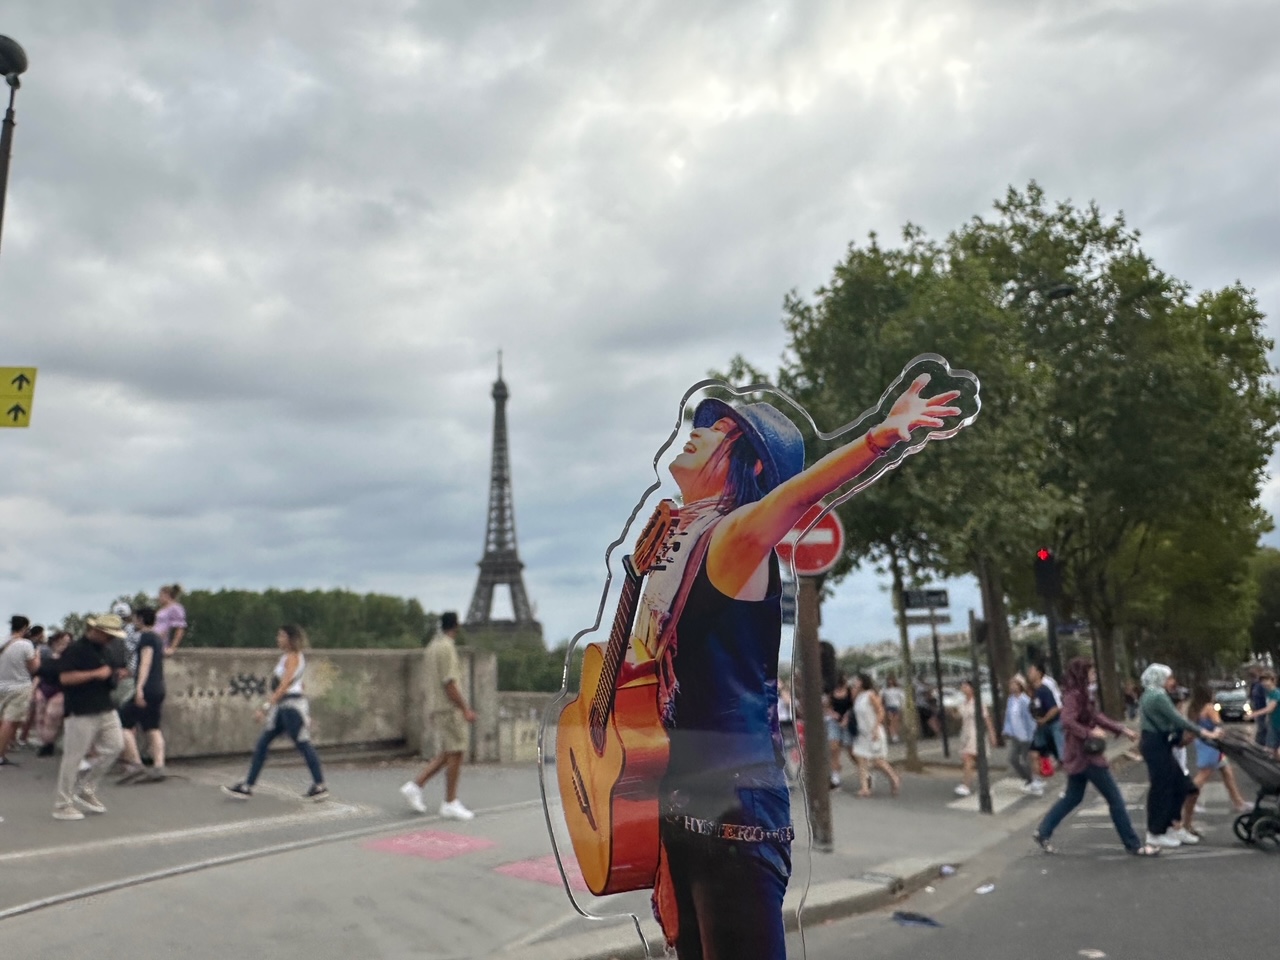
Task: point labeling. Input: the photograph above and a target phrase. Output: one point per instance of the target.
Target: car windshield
(1232, 696)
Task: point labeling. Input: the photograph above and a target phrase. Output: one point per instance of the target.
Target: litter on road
(908, 919)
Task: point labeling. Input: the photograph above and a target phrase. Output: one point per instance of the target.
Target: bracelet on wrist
(875, 448)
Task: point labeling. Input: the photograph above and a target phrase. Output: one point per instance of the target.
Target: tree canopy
(1127, 420)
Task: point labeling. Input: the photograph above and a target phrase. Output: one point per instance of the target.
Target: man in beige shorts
(18, 661)
(447, 716)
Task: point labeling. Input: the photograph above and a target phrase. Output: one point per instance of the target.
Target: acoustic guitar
(611, 747)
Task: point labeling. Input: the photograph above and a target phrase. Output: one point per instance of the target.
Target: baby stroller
(1261, 825)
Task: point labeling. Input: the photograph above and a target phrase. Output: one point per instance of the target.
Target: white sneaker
(835, 780)
(67, 813)
(413, 793)
(1186, 836)
(1169, 840)
(454, 810)
(89, 800)
(962, 790)
(85, 766)
(1200, 808)
(1032, 790)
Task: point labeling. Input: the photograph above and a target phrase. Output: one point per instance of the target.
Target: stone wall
(519, 719)
(358, 698)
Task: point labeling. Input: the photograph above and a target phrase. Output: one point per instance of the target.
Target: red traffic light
(1044, 554)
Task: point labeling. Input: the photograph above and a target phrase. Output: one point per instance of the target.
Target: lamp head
(13, 60)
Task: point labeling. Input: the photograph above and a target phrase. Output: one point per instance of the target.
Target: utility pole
(817, 758)
(13, 63)
(979, 721)
(937, 672)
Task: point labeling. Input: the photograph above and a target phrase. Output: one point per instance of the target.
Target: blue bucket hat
(775, 439)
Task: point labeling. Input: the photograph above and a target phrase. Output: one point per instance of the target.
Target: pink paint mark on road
(431, 844)
(544, 870)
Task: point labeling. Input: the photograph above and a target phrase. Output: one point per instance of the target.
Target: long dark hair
(745, 481)
(1076, 676)
(296, 636)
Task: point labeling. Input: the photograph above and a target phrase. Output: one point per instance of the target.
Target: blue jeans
(290, 722)
(1101, 778)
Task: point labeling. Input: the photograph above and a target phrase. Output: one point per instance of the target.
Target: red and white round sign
(820, 549)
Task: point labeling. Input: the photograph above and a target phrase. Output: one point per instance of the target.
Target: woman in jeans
(1082, 722)
(286, 712)
(1164, 728)
(1020, 730)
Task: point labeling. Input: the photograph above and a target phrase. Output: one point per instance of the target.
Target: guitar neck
(616, 648)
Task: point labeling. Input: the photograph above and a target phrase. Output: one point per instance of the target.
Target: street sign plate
(924, 619)
(924, 599)
(17, 394)
(820, 549)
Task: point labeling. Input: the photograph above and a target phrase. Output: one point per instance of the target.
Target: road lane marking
(339, 811)
(210, 862)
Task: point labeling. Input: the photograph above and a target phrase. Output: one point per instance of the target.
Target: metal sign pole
(979, 721)
(937, 672)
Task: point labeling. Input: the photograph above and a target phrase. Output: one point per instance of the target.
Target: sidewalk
(364, 876)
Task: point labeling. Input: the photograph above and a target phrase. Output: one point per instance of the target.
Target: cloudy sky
(264, 254)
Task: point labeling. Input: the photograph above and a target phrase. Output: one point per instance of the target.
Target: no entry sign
(819, 550)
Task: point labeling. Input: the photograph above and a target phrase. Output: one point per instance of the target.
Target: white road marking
(332, 811)
(194, 866)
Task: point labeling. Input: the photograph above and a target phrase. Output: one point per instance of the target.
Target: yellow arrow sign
(17, 395)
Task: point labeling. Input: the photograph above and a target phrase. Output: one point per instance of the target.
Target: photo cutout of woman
(669, 755)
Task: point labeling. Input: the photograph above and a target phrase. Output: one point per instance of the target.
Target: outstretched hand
(912, 411)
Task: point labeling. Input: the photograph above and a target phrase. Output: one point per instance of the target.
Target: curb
(832, 900)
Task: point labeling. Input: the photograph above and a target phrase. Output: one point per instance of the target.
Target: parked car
(1232, 706)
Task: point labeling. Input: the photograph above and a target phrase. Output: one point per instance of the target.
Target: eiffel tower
(500, 566)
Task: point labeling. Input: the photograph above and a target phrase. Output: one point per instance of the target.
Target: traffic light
(1048, 576)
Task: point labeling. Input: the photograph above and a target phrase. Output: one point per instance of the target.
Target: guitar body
(610, 796)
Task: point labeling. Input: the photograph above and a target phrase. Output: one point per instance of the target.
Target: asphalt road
(1213, 900)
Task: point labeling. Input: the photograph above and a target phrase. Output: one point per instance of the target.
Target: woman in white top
(969, 738)
(286, 711)
(895, 701)
(870, 747)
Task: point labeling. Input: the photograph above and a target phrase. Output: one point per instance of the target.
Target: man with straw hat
(87, 675)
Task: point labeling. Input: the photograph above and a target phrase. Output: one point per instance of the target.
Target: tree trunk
(1108, 675)
(911, 719)
(993, 611)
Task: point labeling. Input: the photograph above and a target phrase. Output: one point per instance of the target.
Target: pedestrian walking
(1164, 728)
(22, 738)
(448, 717)
(870, 748)
(286, 711)
(87, 674)
(1258, 703)
(1268, 715)
(1085, 762)
(839, 705)
(1210, 760)
(1046, 709)
(50, 701)
(894, 699)
(1019, 731)
(969, 738)
(18, 662)
(171, 617)
(143, 710)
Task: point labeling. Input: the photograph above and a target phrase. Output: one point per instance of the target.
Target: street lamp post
(13, 63)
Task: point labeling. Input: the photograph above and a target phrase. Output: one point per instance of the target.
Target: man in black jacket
(88, 673)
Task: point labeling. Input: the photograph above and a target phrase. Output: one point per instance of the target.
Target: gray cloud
(264, 254)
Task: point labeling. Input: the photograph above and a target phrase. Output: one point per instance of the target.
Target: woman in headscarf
(1085, 729)
(1164, 728)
